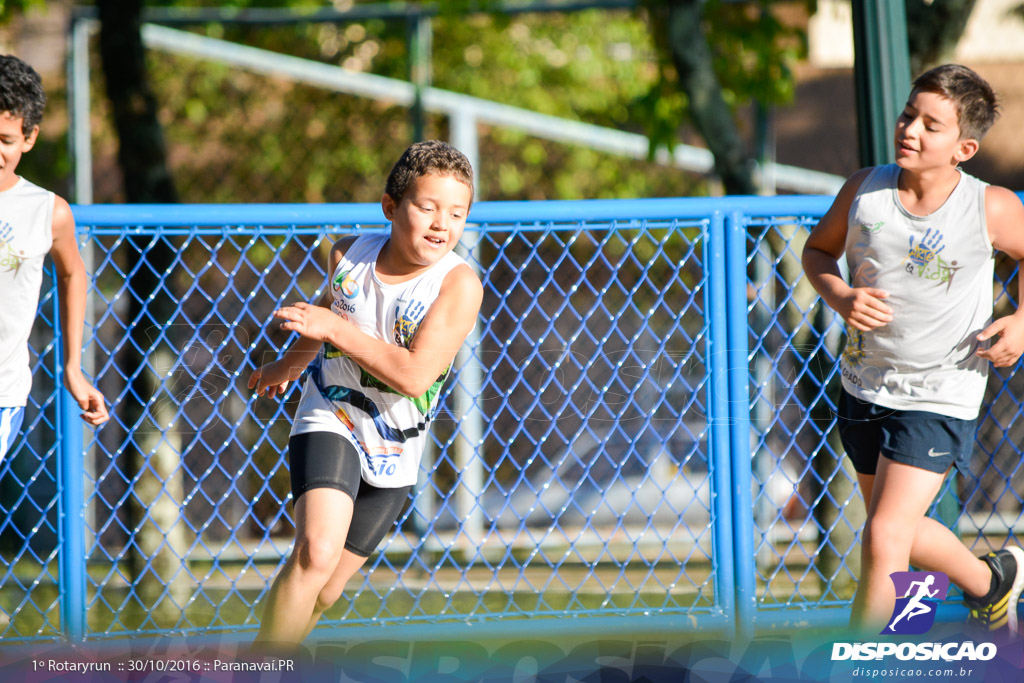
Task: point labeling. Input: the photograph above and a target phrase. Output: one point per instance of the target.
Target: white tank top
(26, 235)
(388, 429)
(938, 270)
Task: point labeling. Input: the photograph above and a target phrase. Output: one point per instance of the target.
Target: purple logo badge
(921, 593)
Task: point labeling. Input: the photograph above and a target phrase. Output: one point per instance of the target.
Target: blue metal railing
(621, 407)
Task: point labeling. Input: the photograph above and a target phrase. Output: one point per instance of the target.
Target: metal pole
(761, 412)
(71, 523)
(765, 143)
(466, 394)
(881, 69)
(739, 421)
(419, 69)
(78, 100)
(716, 367)
(80, 133)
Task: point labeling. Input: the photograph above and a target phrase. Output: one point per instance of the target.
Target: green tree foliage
(936, 27)
(267, 140)
(752, 54)
(10, 8)
(719, 55)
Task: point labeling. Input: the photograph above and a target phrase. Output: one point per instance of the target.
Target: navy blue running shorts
(326, 460)
(917, 438)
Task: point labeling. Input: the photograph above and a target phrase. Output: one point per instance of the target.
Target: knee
(884, 536)
(317, 555)
(327, 597)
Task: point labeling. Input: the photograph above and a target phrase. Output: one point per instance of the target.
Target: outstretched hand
(271, 379)
(1010, 345)
(312, 322)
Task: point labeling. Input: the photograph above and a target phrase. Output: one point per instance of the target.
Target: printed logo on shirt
(943, 272)
(926, 249)
(938, 271)
(346, 285)
(873, 228)
(383, 464)
(853, 354)
(924, 261)
(408, 321)
(10, 260)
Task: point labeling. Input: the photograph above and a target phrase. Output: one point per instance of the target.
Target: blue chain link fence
(640, 425)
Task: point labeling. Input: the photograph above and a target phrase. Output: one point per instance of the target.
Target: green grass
(226, 595)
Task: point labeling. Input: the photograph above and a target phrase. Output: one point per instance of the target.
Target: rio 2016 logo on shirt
(348, 287)
(922, 592)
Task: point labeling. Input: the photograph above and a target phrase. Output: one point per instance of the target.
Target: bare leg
(322, 517)
(346, 569)
(900, 497)
(936, 548)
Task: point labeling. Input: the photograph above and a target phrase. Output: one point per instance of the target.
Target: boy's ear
(388, 204)
(30, 139)
(966, 149)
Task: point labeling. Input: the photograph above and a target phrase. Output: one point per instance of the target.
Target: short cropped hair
(429, 156)
(21, 92)
(976, 104)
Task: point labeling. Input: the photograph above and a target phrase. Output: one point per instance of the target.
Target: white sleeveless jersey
(26, 235)
(938, 270)
(388, 429)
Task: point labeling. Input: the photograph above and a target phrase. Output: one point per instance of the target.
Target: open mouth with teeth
(435, 240)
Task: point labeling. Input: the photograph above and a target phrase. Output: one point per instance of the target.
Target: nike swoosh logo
(933, 454)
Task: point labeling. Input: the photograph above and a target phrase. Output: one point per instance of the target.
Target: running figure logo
(922, 592)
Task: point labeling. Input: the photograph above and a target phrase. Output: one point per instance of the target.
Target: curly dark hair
(976, 104)
(429, 156)
(21, 92)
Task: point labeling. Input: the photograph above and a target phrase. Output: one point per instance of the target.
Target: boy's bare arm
(272, 378)
(409, 371)
(1004, 216)
(861, 307)
(72, 283)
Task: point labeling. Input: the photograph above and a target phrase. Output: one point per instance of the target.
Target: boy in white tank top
(33, 223)
(381, 342)
(919, 236)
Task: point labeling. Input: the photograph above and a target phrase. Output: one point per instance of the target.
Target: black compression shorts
(326, 460)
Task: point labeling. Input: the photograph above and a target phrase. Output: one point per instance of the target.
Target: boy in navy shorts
(919, 237)
(379, 346)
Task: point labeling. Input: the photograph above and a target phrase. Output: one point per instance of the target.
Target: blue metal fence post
(71, 521)
(739, 421)
(718, 418)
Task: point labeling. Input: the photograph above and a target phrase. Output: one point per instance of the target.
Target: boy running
(384, 335)
(34, 222)
(919, 236)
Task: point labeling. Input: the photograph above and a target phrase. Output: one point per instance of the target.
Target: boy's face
(13, 143)
(928, 134)
(428, 222)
